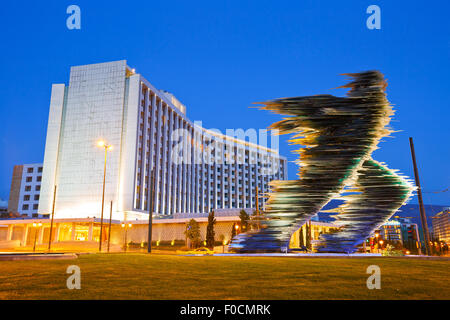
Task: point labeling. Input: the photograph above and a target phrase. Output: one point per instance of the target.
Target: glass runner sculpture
(339, 135)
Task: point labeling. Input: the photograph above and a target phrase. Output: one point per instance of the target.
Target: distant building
(391, 231)
(402, 230)
(25, 189)
(441, 226)
(410, 236)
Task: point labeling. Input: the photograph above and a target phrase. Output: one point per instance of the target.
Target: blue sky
(218, 57)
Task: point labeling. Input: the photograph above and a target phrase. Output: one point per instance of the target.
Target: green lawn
(141, 276)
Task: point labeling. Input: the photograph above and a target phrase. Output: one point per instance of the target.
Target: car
(202, 250)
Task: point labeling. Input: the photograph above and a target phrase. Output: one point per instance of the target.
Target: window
(27, 188)
(25, 207)
(26, 197)
(35, 206)
(37, 188)
(40, 169)
(29, 179)
(39, 178)
(36, 197)
(30, 170)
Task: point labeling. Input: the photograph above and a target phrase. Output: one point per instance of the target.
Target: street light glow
(103, 144)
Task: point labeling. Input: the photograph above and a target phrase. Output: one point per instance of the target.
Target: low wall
(9, 244)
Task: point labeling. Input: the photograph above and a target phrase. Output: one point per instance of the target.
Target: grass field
(140, 276)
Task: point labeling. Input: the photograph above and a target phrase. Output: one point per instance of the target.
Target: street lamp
(103, 144)
(36, 226)
(109, 229)
(126, 226)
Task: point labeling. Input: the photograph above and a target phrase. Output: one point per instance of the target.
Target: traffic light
(412, 238)
(411, 233)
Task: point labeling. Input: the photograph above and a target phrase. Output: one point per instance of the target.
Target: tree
(243, 215)
(253, 220)
(210, 230)
(256, 219)
(7, 215)
(308, 235)
(300, 235)
(193, 232)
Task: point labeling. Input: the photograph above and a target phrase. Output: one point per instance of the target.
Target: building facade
(25, 189)
(160, 161)
(83, 234)
(441, 226)
(392, 231)
(404, 231)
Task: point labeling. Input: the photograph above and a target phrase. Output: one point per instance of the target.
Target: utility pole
(109, 229)
(150, 211)
(51, 222)
(423, 216)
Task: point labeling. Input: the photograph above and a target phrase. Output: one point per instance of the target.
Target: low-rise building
(25, 189)
(83, 234)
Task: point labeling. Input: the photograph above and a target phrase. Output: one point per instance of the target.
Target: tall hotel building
(149, 133)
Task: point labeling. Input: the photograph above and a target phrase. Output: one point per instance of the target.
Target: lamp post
(36, 226)
(150, 211)
(257, 207)
(103, 144)
(51, 223)
(109, 229)
(126, 226)
(381, 244)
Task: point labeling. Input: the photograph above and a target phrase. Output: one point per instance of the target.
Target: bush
(390, 251)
